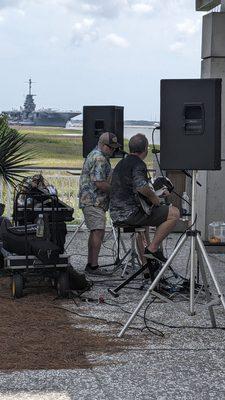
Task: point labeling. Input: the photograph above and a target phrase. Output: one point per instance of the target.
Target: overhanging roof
(206, 5)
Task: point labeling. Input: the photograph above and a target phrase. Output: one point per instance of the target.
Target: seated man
(129, 180)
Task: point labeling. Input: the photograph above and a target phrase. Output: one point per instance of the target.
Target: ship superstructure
(28, 115)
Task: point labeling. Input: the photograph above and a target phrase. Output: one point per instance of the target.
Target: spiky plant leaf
(13, 152)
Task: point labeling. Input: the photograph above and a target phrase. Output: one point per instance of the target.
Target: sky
(97, 52)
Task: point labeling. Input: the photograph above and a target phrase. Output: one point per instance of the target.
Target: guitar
(146, 204)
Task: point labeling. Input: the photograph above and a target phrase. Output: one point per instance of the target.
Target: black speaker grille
(99, 119)
(190, 127)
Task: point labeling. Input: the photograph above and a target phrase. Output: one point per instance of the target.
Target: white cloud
(21, 12)
(117, 40)
(89, 8)
(142, 8)
(53, 40)
(177, 46)
(188, 27)
(104, 8)
(84, 31)
(98, 27)
(16, 5)
(10, 3)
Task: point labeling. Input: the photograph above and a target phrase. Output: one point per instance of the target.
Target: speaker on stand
(190, 139)
(190, 126)
(99, 119)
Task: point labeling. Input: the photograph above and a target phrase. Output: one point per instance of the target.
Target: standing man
(94, 195)
(129, 181)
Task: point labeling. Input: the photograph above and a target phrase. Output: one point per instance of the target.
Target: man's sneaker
(146, 273)
(154, 267)
(157, 255)
(94, 271)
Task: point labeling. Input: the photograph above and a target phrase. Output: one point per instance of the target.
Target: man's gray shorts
(94, 217)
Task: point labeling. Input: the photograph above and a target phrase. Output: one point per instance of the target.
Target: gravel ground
(187, 362)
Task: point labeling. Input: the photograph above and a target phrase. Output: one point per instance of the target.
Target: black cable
(187, 326)
(151, 330)
(111, 249)
(85, 255)
(115, 303)
(183, 233)
(216, 258)
(178, 327)
(178, 195)
(92, 317)
(118, 305)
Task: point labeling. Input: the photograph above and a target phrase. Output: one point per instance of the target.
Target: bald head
(138, 143)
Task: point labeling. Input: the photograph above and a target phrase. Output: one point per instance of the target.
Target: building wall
(211, 196)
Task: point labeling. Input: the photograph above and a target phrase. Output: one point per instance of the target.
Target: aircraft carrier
(28, 115)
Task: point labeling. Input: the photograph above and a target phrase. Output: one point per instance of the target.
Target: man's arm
(98, 174)
(141, 183)
(103, 186)
(149, 194)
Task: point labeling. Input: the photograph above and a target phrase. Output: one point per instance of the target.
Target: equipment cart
(25, 255)
(22, 268)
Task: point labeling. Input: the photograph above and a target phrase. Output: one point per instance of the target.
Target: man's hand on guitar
(165, 193)
(149, 194)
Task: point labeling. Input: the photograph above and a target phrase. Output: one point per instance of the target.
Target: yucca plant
(13, 152)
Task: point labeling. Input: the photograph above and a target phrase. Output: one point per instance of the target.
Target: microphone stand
(189, 176)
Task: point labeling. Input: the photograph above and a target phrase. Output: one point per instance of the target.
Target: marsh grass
(55, 150)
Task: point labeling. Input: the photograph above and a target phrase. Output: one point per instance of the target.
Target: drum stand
(196, 245)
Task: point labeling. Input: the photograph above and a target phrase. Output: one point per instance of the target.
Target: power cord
(92, 317)
(179, 326)
(151, 330)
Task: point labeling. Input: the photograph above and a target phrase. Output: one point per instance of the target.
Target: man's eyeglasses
(112, 148)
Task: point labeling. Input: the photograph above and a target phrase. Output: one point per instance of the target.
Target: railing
(66, 181)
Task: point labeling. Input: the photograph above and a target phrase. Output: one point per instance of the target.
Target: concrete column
(211, 197)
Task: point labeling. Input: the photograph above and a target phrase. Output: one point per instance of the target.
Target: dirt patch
(36, 334)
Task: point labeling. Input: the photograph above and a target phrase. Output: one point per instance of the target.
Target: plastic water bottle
(40, 226)
(185, 206)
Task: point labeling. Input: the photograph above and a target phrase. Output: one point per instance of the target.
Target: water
(130, 130)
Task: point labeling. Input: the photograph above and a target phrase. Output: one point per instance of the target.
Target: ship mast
(29, 105)
(30, 83)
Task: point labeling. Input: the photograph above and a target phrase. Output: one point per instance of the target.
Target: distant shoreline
(79, 125)
(76, 131)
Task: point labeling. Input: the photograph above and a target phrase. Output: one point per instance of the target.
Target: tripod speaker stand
(196, 244)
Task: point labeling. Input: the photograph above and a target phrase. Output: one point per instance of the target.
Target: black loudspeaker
(190, 126)
(99, 119)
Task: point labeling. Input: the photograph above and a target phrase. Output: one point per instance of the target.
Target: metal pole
(154, 283)
(222, 9)
(205, 256)
(193, 228)
(206, 286)
(74, 234)
(1, 189)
